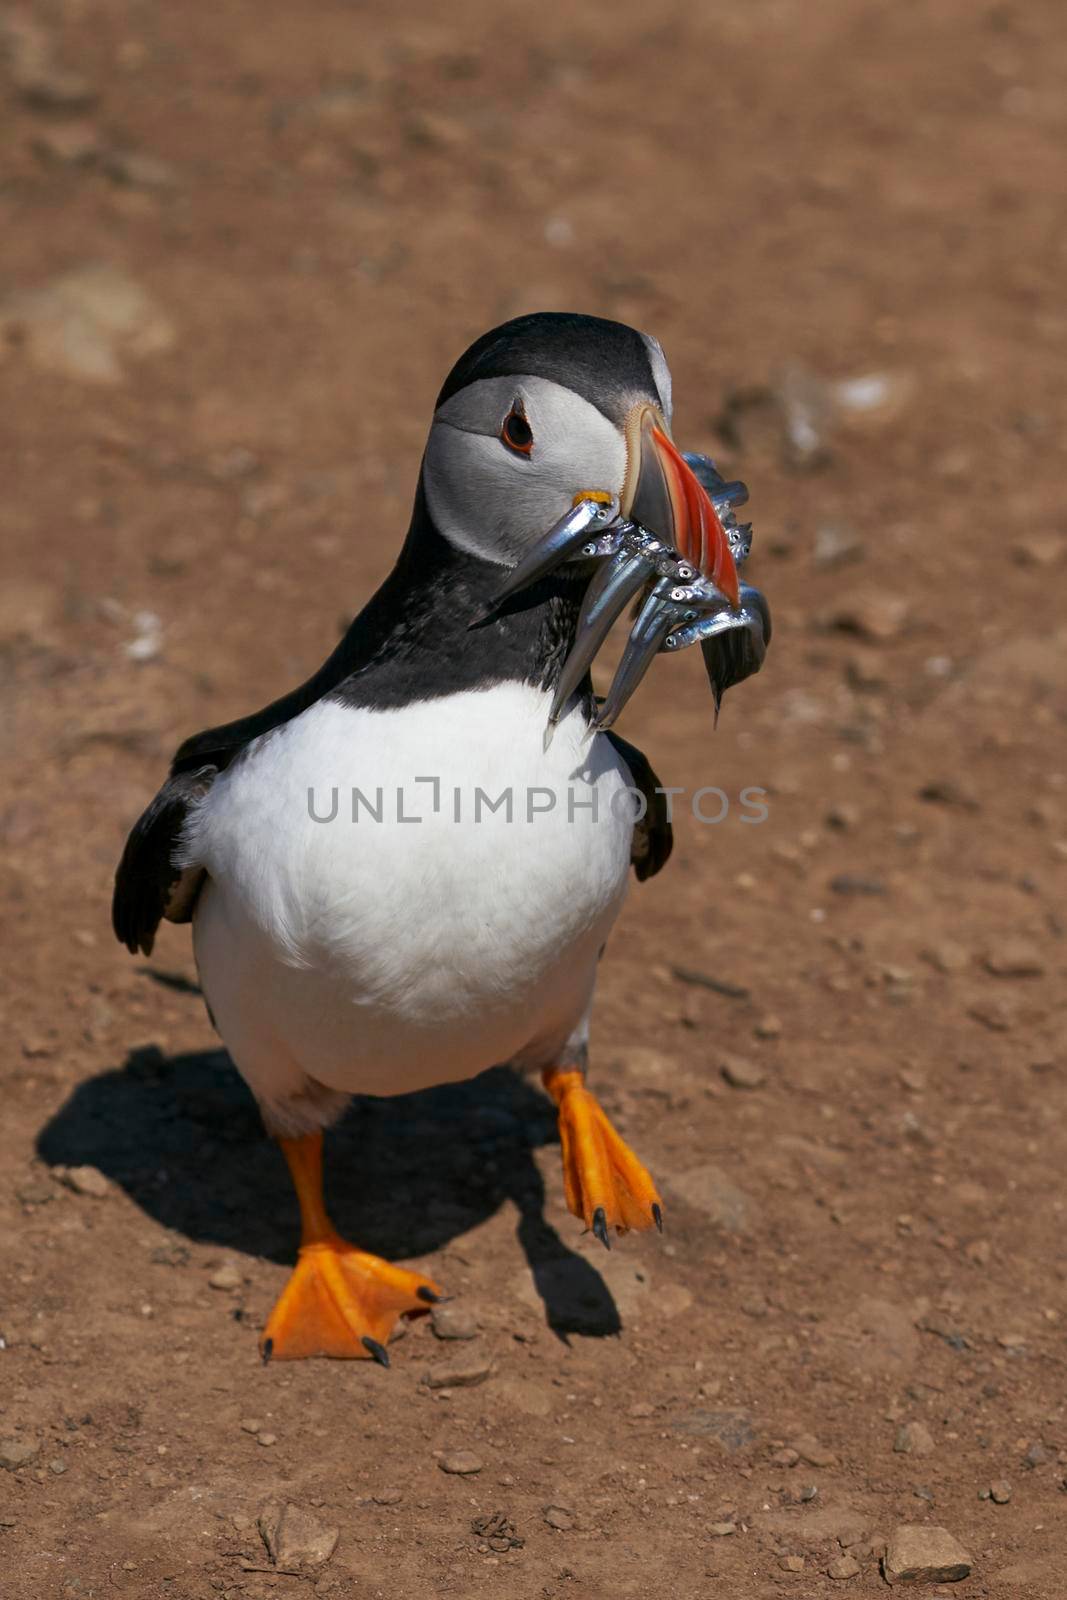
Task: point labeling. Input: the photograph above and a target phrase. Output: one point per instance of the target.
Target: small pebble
(251, 1425)
(35, 1191)
(267, 1439)
(919, 1553)
(35, 1047)
(914, 1439)
(835, 545)
(873, 616)
(843, 1568)
(1014, 959)
(722, 1530)
(294, 1537)
(559, 1517)
(68, 144)
(949, 792)
(459, 1374)
(996, 1014)
(1000, 1492)
(139, 170)
(855, 883)
(227, 1278)
(791, 1563)
(85, 1180)
(460, 1462)
(453, 1322)
(388, 1497)
(49, 87)
(947, 956)
(785, 1458)
(874, 398)
(15, 1453)
(815, 1454)
(742, 1074)
(1043, 550)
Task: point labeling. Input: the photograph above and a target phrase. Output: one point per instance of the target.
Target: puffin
(395, 879)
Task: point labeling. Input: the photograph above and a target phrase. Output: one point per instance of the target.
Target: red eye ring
(516, 432)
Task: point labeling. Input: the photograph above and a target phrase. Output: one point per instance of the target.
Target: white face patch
(494, 503)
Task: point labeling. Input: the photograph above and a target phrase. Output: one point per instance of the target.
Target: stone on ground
(917, 1553)
(294, 1537)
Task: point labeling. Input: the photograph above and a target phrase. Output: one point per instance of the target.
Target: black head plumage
(605, 362)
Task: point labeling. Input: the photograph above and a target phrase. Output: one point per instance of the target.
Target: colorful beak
(663, 495)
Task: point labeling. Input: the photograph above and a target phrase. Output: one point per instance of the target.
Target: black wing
(653, 835)
(148, 886)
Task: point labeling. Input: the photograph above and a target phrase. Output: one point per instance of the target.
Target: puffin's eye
(517, 433)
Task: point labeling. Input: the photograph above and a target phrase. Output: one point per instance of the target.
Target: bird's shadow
(182, 1136)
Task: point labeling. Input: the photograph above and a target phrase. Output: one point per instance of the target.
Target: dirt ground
(241, 246)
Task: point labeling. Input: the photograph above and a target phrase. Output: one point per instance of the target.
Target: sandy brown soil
(319, 205)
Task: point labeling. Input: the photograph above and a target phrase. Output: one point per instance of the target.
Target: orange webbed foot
(604, 1182)
(339, 1301)
(342, 1302)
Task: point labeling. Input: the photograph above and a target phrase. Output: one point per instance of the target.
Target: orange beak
(664, 496)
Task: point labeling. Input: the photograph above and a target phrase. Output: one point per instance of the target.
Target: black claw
(600, 1227)
(378, 1351)
(268, 1350)
(657, 1215)
(423, 1293)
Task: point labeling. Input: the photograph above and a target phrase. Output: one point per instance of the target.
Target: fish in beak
(665, 500)
(662, 544)
(663, 495)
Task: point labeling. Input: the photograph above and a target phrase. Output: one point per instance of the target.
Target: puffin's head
(546, 410)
